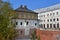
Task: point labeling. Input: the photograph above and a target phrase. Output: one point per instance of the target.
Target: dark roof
(24, 9)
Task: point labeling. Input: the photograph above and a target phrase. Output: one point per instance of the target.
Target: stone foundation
(21, 34)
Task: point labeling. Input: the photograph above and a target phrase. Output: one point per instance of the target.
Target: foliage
(33, 35)
(38, 38)
(7, 31)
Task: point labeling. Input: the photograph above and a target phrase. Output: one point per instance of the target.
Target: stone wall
(21, 33)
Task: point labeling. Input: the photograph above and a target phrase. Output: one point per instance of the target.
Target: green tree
(38, 38)
(7, 31)
(33, 35)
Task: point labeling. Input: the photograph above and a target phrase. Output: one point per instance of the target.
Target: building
(50, 17)
(26, 22)
(49, 25)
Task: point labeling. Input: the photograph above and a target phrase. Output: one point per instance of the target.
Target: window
(48, 20)
(44, 20)
(47, 14)
(47, 25)
(57, 19)
(41, 26)
(54, 25)
(50, 14)
(44, 15)
(21, 23)
(51, 20)
(16, 23)
(50, 25)
(57, 13)
(57, 25)
(44, 25)
(54, 19)
(35, 24)
(26, 23)
(53, 13)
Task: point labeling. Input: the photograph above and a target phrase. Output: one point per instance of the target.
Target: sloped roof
(51, 8)
(24, 9)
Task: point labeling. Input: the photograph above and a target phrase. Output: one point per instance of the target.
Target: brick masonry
(21, 33)
(48, 34)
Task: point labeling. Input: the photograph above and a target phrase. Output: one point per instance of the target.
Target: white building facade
(50, 17)
(26, 24)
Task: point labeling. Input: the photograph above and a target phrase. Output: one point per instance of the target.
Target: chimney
(21, 6)
(25, 7)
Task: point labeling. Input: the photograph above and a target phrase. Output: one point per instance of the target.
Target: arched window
(57, 13)
(54, 25)
(53, 14)
(35, 24)
(57, 19)
(47, 14)
(16, 23)
(50, 25)
(57, 25)
(50, 14)
(44, 25)
(47, 25)
(51, 20)
(41, 26)
(54, 19)
(27, 23)
(20, 23)
(48, 20)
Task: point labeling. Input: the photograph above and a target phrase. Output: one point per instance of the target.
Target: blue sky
(33, 4)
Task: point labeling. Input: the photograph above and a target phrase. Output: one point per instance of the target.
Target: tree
(33, 35)
(38, 37)
(7, 31)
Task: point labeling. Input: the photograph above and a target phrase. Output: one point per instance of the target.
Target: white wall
(44, 18)
(31, 23)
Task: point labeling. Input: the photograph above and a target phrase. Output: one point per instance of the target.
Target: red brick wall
(47, 35)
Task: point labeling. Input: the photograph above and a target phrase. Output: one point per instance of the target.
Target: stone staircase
(23, 38)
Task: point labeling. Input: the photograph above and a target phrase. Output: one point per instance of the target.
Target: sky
(33, 4)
